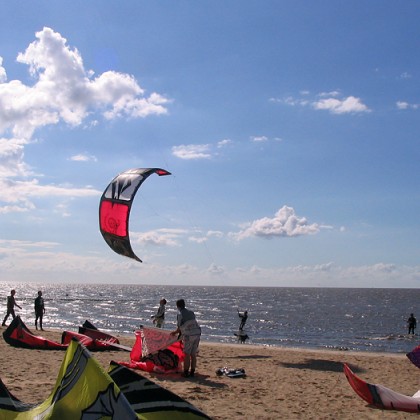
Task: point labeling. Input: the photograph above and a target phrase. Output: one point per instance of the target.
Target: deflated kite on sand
(156, 350)
(84, 391)
(18, 334)
(382, 397)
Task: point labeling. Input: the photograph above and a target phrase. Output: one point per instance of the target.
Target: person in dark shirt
(412, 324)
(11, 303)
(243, 318)
(39, 310)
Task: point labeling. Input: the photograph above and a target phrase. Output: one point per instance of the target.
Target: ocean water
(371, 320)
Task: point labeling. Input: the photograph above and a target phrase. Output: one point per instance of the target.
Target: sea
(371, 320)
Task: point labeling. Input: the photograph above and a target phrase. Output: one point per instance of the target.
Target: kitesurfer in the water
(159, 318)
(190, 332)
(11, 303)
(243, 317)
(39, 310)
(412, 324)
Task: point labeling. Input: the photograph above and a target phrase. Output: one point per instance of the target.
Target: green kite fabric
(84, 391)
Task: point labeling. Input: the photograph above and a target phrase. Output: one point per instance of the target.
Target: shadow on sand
(322, 365)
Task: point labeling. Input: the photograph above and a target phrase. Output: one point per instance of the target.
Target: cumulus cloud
(347, 105)
(192, 151)
(405, 105)
(285, 223)
(63, 91)
(327, 101)
(66, 91)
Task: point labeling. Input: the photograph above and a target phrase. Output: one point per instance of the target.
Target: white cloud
(62, 91)
(62, 209)
(159, 237)
(3, 75)
(83, 157)
(347, 105)
(198, 239)
(20, 193)
(329, 102)
(259, 139)
(214, 233)
(223, 143)
(42, 261)
(66, 91)
(402, 105)
(405, 75)
(406, 105)
(216, 270)
(11, 158)
(192, 151)
(285, 223)
(333, 93)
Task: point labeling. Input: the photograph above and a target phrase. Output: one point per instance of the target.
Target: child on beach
(11, 303)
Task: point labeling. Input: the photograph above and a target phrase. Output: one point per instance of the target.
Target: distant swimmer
(243, 317)
(412, 324)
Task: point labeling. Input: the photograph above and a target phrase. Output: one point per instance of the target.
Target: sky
(291, 129)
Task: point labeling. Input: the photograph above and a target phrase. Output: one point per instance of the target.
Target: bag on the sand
(231, 373)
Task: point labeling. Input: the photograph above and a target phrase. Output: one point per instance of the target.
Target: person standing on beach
(191, 333)
(243, 318)
(11, 303)
(39, 310)
(159, 318)
(412, 324)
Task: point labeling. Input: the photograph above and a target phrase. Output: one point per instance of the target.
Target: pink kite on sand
(156, 350)
(382, 397)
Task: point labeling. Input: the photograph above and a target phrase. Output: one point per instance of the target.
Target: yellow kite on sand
(84, 391)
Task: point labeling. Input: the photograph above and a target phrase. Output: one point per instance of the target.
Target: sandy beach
(280, 382)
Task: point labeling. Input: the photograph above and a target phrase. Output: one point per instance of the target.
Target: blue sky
(291, 129)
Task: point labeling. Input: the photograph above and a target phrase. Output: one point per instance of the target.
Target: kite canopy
(380, 396)
(83, 390)
(18, 334)
(156, 350)
(414, 356)
(115, 206)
